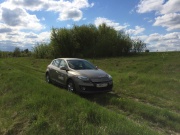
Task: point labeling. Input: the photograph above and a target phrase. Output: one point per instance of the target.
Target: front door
(62, 74)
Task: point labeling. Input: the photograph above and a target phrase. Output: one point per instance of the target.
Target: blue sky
(24, 23)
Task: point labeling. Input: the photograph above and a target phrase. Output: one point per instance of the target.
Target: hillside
(145, 98)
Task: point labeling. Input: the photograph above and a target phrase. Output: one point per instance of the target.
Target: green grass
(145, 98)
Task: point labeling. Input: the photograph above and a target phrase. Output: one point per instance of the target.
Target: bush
(89, 41)
(43, 50)
(17, 52)
(146, 50)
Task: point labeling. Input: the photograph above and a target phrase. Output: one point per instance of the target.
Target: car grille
(95, 89)
(101, 79)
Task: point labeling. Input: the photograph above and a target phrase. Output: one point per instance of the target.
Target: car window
(88, 65)
(56, 63)
(63, 64)
(80, 64)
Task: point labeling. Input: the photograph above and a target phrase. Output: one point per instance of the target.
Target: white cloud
(71, 10)
(159, 6)
(148, 19)
(171, 6)
(149, 5)
(66, 9)
(116, 26)
(136, 31)
(81, 4)
(172, 36)
(23, 39)
(44, 37)
(12, 17)
(100, 20)
(170, 21)
(31, 35)
(33, 5)
(162, 42)
(4, 29)
(20, 19)
(74, 14)
(167, 12)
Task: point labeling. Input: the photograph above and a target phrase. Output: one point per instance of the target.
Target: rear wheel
(48, 79)
(71, 86)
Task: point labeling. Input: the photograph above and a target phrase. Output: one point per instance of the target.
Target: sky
(26, 23)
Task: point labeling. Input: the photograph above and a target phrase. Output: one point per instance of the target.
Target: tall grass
(147, 88)
(145, 98)
(31, 106)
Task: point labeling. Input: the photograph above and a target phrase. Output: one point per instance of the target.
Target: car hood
(92, 73)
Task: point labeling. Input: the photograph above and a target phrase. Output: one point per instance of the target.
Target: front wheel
(71, 86)
(48, 79)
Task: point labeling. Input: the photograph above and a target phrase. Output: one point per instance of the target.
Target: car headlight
(109, 76)
(83, 78)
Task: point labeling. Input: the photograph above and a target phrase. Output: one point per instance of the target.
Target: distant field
(145, 98)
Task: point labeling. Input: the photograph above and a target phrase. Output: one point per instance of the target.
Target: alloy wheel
(70, 86)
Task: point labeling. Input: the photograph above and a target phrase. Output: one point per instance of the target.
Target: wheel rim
(70, 87)
(47, 78)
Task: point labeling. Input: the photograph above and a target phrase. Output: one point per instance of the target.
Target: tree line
(88, 41)
(16, 53)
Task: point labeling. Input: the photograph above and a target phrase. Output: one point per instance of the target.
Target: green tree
(17, 52)
(138, 45)
(85, 37)
(90, 41)
(63, 42)
(124, 44)
(43, 50)
(107, 41)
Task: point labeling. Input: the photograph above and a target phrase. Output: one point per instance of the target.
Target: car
(78, 75)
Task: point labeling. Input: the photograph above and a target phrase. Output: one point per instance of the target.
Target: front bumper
(93, 87)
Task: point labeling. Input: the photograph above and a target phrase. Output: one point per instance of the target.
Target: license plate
(101, 85)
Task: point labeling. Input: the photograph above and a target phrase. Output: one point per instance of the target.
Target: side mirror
(64, 68)
(96, 67)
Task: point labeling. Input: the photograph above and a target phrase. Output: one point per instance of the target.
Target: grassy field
(145, 99)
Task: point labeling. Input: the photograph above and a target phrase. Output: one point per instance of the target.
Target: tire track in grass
(31, 71)
(155, 117)
(164, 111)
(104, 101)
(141, 100)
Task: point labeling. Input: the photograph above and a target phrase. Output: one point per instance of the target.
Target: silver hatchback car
(78, 75)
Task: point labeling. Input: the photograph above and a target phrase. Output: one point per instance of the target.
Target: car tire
(71, 86)
(48, 79)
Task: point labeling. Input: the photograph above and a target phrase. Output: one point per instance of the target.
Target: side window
(63, 64)
(53, 63)
(56, 63)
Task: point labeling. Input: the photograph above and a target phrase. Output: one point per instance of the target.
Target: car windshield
(80, 64)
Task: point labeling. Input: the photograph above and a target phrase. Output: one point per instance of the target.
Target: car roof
(71, 58)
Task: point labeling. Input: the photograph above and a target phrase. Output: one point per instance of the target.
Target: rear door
(54, 69)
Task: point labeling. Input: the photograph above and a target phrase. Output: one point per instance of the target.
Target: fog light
(110, 83)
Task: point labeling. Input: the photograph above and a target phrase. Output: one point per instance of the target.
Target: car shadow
(102, 99)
